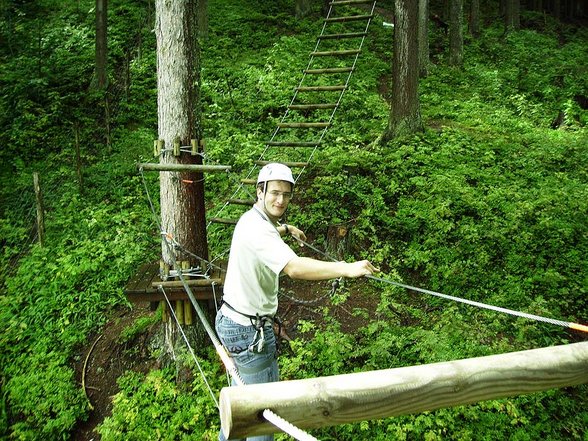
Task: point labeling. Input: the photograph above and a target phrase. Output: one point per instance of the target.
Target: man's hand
(297, 234)
(360, 268)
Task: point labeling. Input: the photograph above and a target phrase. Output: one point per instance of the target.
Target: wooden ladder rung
(246, 202)
(293, 143)
(312, 106)
(304, 125)
(341, 36)
(349, 2)
(218, 220)
(329, 70)
(320, 88)
(344, 53)
(249, 181)
(289, 164)
(349, 18)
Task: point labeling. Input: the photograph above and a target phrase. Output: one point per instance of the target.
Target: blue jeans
(254, 367)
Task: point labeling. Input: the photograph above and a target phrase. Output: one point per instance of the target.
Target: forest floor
(105, 358)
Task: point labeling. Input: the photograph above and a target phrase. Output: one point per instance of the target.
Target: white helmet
(275, 172)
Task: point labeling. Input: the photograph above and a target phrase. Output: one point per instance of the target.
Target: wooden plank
(247, 202)
(179, 284)
(289, 164)
(340, 399)
(312, 106)
(183, 167)
(348, 18)
(330, 70)
(304, 125)
(349, 2)
(218, 220)
(342, 36)
(336, 53)
(320, 88)
(142, 279)
(201, 293)
(293, 143)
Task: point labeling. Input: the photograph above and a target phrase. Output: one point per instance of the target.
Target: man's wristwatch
(286, 229)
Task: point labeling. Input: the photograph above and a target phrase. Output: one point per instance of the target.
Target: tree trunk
(557, 9)
(512, 19)
(516, 14)
(101, 43)
(456, 33)
(302, 8)
(202, 18)
(475, 18)
(423, 38)
(405, 116)
(179, 121)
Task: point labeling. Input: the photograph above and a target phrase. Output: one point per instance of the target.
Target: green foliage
(154, 406)
(489, 204)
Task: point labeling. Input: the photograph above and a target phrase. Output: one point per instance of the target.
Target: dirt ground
(104, 358)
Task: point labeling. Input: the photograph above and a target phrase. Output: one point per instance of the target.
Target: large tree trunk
(456, 33)
(423, 38)
(178, 86)
(182, 195)
(405, 116)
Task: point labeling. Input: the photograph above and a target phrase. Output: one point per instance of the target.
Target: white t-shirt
(258, 255)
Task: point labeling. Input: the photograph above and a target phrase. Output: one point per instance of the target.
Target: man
(258, 255)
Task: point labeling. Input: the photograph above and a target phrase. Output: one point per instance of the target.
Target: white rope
(287, 427)
(202, 374)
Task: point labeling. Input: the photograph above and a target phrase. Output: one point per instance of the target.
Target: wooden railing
(327, 401)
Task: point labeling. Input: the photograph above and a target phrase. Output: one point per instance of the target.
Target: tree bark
(101, 44)
(202, 18)
(405, 116)
(182, 193)
(302, 8)
(512, 19)
(179, 121)
(423, 38)
(456, 33)
(475, 18)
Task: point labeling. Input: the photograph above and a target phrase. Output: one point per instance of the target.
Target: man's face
(276, 198)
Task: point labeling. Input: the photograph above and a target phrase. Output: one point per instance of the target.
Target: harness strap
(256, 320)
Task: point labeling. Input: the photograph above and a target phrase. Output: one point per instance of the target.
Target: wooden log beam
(190, 282)
(183, 167)
(339, 399)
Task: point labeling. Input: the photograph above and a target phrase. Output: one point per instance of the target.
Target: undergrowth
(489, 203)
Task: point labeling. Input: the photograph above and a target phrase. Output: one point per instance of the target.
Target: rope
(565, 324)
(323, 132)
(287, 427)
(203, 375)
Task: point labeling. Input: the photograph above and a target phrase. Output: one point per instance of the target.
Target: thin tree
(423, 38)
(302, 8)
(101, 44)
(475, 18)
(179, 121)
(202, 18)
(456, 33)
(512, 19)
(405, 115)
